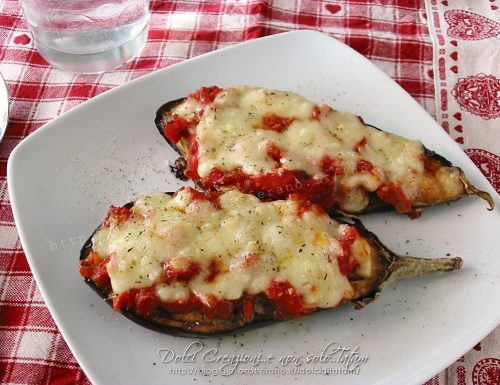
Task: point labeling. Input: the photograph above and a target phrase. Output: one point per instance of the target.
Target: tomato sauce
(364, 166)
(316, 113)
(94, 268)
(360, 145)
(206, 95)
(274, 152)
(276, 123)
(276, 184)
(272, 185)
(345, 261)
(116, 215)
(144, 301)
(125, 300)
(217, 308)
(176, 129)
(304, 204)
(209, 196)
(248, 307)
(250, 260)
(287, 302)
(192, 160)
(214, 308)
(184, 274)
(213, 270)
(331, 166)
(393, 194)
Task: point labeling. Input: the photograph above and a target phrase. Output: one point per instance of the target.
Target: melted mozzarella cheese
(252, 242)
(230, 136)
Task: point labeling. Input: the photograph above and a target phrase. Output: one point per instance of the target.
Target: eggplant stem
(470, 189)
(407, 267)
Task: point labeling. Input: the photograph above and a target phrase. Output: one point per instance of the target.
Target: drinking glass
(88, 36)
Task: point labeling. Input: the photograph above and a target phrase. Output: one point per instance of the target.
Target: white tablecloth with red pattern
(444, 53)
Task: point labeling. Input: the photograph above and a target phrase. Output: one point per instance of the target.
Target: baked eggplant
(207, 263)
(273, 143)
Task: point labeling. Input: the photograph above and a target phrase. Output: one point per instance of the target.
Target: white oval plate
(63, 177)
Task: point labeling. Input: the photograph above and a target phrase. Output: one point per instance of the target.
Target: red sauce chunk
(346, 261)
(195, 194)
(176, 129)
(206, 95)
(360, 145)
(275, 153)
(393, 194)
(209, 196)
(87, 265)
(250, 260)
(364, 166)
(125, 300)
(143, 301)
(304, 204)
(332, 166)
(183, 306)
(214, 308)
(273, 185)
(94, 268)
(275, 181)
(277, 184)
(287, 302)
(146, 302)
(321, 193)
(276, 123)
(316, 113)
(213, 270)
(218, 308)
(182, 270)
(116, 215)
(192, 161)
(248, 307)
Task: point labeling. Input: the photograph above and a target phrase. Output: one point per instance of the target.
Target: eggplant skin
(162, 118)
(386, 266)
(164, 115)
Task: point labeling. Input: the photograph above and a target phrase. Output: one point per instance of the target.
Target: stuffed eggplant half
(274, 143)
(209, 262)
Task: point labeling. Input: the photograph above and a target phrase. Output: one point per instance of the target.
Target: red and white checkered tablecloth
(413, 41)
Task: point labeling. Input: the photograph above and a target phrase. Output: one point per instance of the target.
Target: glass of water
(88, 36)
